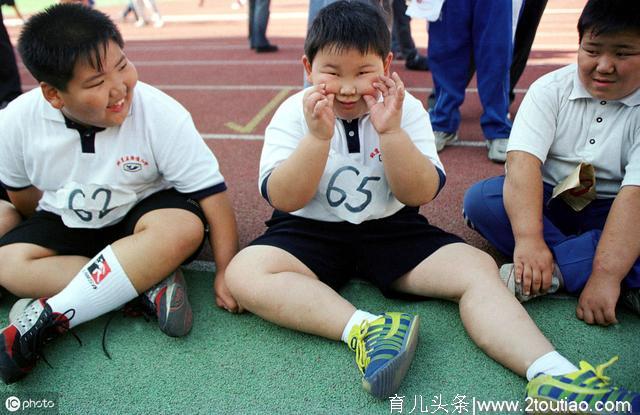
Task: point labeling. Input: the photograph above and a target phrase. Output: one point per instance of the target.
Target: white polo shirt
(561, 124)
(94, 181)
(353, 186)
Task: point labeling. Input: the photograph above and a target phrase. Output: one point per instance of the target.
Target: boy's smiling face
(349, 75)
(98, 98)
(609, 64)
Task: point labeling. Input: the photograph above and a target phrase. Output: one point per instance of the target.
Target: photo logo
(12, 403)
(99, 270)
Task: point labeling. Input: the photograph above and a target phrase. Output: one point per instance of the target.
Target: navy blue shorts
(379, 251)
(46, 229)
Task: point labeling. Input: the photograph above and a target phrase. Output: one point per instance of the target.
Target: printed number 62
(85, 215)
(343, 195)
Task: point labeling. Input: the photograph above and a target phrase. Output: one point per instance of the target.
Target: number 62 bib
(93, 206)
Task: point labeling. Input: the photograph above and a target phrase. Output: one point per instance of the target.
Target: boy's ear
(307, 67)
(387, 64)
(52, 94)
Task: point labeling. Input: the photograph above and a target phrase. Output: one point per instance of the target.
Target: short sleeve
(534, 127)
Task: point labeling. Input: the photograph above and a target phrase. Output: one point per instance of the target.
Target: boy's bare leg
(9, 217)
(28, 270)
(276, 286)
(492, 316)
(161, 241)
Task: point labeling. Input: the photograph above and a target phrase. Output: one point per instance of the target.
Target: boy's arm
(412, 177)
(617, 251)
(223, 237)
(523, 200)
(26, 200)
(294, 182)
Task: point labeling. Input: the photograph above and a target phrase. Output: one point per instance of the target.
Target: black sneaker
(416, 62)
(630, 298)
(21, 342)
(267, 48)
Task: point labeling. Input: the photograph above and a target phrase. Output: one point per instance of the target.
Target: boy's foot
(444, 139)
(416, 62)
(498, 149)
(507, 275)
(21, 342)
(630, 298)
(384, 351)
(588, 387)
(169, 302)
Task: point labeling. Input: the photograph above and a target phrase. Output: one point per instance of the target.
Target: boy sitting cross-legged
(346, 163)
(128, 188)
(583, 237)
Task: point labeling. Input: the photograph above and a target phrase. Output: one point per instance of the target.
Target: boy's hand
(386, 115)
(318, 112)
(224, 299)
(533, 265)
(597, 303)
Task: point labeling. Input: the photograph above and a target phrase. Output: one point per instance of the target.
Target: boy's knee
(238, 273)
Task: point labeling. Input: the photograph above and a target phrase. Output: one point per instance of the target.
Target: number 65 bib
(352, 191)
(93, 206)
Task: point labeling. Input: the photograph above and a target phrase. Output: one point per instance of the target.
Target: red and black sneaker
(168, 301)
(21, 342)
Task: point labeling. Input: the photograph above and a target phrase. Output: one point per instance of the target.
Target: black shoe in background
(416, 62)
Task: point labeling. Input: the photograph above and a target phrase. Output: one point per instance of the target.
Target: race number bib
(93, 206)
(352, 191)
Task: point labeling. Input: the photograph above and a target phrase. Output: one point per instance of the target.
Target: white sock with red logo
(99, 287)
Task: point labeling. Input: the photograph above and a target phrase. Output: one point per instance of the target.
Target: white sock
(552, 363)
(99, 287)
(358, 317)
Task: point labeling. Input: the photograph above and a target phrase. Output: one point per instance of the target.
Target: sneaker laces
(599, 370)
(133, 308)
(58, 324)
(362, 354)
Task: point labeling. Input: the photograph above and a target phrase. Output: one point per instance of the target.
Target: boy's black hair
(609, 16)
(348, 25)
(52, 42)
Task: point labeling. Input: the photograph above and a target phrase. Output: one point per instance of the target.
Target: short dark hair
(609, 16)
(348, 24)
(52, 42)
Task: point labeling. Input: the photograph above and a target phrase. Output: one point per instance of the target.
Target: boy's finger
(369, 100)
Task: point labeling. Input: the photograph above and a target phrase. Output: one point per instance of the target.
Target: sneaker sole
(388, 378)
(176, 319)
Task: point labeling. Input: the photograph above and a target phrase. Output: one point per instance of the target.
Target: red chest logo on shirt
(131, 164)
(375, 153)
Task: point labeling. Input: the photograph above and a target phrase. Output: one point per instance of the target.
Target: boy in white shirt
(351, 159)
(587, 240)
(125, 179)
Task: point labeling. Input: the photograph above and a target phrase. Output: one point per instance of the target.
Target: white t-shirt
(156, 148)
(561, 124)
(353, 186)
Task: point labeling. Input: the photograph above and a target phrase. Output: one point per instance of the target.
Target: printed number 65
(343, 195)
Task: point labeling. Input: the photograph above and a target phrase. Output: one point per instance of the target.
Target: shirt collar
(579, 91)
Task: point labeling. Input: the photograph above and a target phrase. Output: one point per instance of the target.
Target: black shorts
(3, 194)
(47, 229)
(379, 251)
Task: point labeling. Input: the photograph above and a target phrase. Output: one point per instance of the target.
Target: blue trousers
(466, 28)
(571, 236)
(258, 20)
